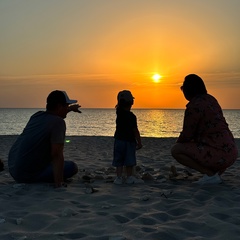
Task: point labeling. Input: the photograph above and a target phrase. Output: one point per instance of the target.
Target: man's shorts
(48, 176)
(124, 153)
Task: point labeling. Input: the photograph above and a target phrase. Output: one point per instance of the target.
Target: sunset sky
(95, 48)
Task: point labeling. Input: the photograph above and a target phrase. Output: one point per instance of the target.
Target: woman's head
(192, 86)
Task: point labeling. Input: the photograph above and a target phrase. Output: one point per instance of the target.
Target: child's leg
(119, 171)
(129, 171)
(130, 158)
(119, 180)
(118, 158)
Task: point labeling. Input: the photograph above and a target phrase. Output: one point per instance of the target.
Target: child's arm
(138, 138)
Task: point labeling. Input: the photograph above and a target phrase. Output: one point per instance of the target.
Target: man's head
(58, 101)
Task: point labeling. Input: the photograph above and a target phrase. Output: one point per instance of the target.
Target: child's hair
(125, 99)
(122, 103)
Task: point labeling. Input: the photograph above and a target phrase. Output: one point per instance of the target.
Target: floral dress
(206, 136)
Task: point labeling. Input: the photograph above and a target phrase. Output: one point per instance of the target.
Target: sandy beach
(165, 204)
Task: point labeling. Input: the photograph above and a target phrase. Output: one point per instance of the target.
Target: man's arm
(58, 163)
(74, 108)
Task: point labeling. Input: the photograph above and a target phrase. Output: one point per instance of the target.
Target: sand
(164, 206)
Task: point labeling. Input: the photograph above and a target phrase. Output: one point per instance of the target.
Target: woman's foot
(215, 179)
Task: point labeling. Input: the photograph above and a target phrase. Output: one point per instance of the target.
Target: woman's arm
(190, 124)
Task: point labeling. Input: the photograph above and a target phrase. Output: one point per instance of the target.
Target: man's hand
(74, 108)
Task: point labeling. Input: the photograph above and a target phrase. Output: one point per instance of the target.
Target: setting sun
(156, 78)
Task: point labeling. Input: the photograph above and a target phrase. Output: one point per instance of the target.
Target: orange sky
(93, 49)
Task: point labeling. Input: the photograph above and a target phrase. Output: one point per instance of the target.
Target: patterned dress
(206, 136)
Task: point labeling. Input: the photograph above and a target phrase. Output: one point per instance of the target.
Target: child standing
(127, 138)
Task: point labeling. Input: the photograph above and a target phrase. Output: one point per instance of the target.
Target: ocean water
(101, 122)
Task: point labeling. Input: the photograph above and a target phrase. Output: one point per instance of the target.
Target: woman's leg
(182, 156)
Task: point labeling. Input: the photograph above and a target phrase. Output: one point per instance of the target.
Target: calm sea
(101, 122)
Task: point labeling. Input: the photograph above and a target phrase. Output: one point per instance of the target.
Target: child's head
(125, 99)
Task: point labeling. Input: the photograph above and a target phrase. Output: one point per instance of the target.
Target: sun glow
(156, 78)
